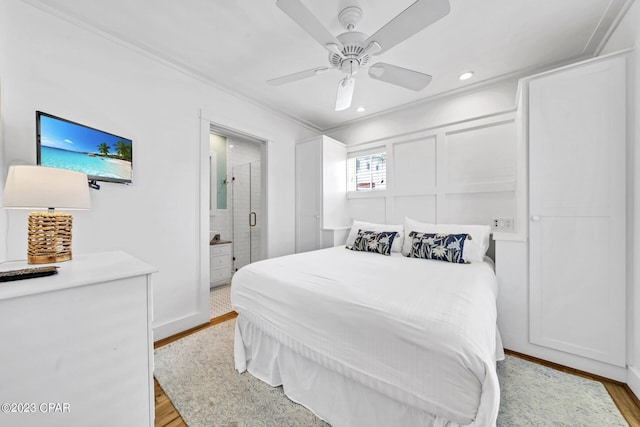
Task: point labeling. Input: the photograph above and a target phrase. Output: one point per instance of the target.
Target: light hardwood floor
(625, 400)
(166, 414)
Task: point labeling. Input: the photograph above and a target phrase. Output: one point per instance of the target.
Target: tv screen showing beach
(68, 145)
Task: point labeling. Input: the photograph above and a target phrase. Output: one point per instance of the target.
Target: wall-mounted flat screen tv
(68, 145)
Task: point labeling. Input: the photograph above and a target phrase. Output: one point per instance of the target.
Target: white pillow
(474, 249)
(370, 226)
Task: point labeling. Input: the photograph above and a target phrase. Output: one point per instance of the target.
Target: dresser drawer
(220, 261)
(221, 274)
(221, 249)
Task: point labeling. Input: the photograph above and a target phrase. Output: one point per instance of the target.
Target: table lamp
(38, 187)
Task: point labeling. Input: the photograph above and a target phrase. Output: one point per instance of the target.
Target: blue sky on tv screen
(72, 137)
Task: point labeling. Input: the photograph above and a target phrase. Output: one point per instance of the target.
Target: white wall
(627, 35)
(52, 65)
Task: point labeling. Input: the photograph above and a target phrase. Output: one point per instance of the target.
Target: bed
(363, 339)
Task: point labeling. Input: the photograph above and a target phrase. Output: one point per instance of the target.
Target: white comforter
(419, 331)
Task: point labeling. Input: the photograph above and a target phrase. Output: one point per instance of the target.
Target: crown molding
(166, 60)
(613, 26)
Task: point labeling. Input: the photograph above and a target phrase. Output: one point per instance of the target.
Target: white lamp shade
(36, 187)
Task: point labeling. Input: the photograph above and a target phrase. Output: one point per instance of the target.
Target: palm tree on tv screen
(103, 149)
(123, 150)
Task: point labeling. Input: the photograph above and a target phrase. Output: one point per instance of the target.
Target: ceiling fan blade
(399, 76)
(412, 20)
(308, 22)
(297, 76)
(345, 93)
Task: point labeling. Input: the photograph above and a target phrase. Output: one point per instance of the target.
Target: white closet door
(577, 208)
(308, 193)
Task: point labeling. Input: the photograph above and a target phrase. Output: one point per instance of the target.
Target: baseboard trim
(178, 325)
(563, 368)
(633, 382)
(602, 369)
(212, 322)
(172, 338)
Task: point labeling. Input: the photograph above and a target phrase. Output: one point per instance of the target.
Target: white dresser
(220, 253)
(77, 347)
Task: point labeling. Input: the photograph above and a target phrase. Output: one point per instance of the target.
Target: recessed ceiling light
(466, 75)
(360, 109)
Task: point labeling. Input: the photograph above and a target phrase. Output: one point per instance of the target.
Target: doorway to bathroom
(237, 203)
(245, 218)
(234, 221)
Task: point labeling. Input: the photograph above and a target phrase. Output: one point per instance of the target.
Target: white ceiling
(240, 44)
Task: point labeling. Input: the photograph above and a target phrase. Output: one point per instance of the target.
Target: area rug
(198, 376)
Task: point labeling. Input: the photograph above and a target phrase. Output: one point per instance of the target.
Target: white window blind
(367, 172)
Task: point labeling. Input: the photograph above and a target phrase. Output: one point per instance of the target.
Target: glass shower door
(247, 214)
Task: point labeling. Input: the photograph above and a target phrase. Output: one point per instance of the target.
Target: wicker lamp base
(49, 238)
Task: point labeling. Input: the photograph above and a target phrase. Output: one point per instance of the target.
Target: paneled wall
(462, 173)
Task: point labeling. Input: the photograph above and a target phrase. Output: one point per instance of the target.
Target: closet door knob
(535, 218)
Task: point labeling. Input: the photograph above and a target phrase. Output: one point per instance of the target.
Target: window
(367, 172)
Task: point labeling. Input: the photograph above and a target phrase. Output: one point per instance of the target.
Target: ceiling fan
(351, 51)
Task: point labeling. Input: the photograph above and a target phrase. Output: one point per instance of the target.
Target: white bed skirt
(332, 397)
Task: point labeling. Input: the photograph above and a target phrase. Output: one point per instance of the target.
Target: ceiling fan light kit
(345, 93)
(351, 51)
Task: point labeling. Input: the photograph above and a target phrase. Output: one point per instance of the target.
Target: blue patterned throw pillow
(374, 241)
(441, 247)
